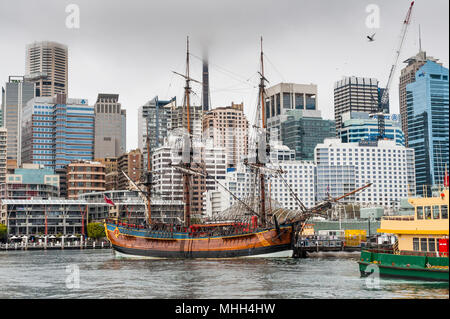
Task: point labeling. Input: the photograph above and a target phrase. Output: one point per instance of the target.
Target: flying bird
(371, 38)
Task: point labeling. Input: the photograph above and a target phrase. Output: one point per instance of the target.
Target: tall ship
(259, 232)
(421, 249)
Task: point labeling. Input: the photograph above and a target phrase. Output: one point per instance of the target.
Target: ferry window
(431, 244)
(435, 212)
(423, 244)
(428, 212)
(419, 212)
(444, 211)
(416, 244)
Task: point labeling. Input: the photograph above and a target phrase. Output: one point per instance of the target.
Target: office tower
(355, 94)
(357, 126)
(111, 171)
(302, 132)
(30, 181)
(57, 131)
(343, 167)
(155, 118)
(408, 75)
(283, 97)
(110, 126)
(130, 163)
(85, 177)
(428, 126)
(47, 67)
(179, 119)
(15, 96)
(3, 151)
(228, 128)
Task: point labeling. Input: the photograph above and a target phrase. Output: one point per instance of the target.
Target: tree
(3, 233)
(95, 230)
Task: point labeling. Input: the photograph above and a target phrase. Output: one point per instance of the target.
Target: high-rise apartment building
(408, 75)
(344, 167)
(302, 132)
(57, 131)
(228, 128)
(355, 94)
(15, 95)
(130, 163)
(283, 97)
(428, 126)
(110, 126)
(47, 66)
(3, 151)
(154, 117)
(85, 177)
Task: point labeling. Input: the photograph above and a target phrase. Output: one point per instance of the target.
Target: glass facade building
(302, 133)
(57, 131)
(428, 124)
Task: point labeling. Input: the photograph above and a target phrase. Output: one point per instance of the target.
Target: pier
(53, 246)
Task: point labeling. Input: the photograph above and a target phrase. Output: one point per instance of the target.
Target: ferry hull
(403, 266)
(142, 244)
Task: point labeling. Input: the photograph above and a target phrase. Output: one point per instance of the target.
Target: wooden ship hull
(132, 241)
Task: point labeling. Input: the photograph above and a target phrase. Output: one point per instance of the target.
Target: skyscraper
(228, 128)
(110, 126)
(408, 75)
(3, 147)
(47, 66)
(15, 96)
(205, 85)
(283, 97)
(57, 131)
(428, 127)
(355, 94)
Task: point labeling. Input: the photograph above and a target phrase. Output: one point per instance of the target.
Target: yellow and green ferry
(421, 249)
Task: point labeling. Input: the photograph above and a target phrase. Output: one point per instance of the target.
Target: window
(419, 212)
(416, 244)
(427, 212)
(435, 212)
(423, 244)
(444, 211)
(431, 244)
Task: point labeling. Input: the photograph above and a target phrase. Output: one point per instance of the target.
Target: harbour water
(98, 274)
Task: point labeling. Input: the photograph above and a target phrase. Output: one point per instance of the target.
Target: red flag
(108, 201)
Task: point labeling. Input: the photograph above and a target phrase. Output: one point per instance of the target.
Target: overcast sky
(131, 47)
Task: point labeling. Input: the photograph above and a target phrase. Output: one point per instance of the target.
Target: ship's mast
(261, 158)
(187, 165)
(148, 176)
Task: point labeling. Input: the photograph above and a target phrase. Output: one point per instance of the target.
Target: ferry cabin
(420, 234)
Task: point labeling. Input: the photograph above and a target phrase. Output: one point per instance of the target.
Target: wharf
(52, 246)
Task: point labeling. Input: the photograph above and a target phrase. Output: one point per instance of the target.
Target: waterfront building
(428, 125)
(3, 152)
(168, 181)
(301, 131)
(130, 206)
(344, 167)
(30, 181)
(408, 75)
(228, 128)
(154, 117)
(357, 126)
(57, 130)
(15, 95)
(111, 171)
(283, 97)
(110, 126)
(85, 177)
(132, 164)
(47, 67)
(240, 181)
(356, 94)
